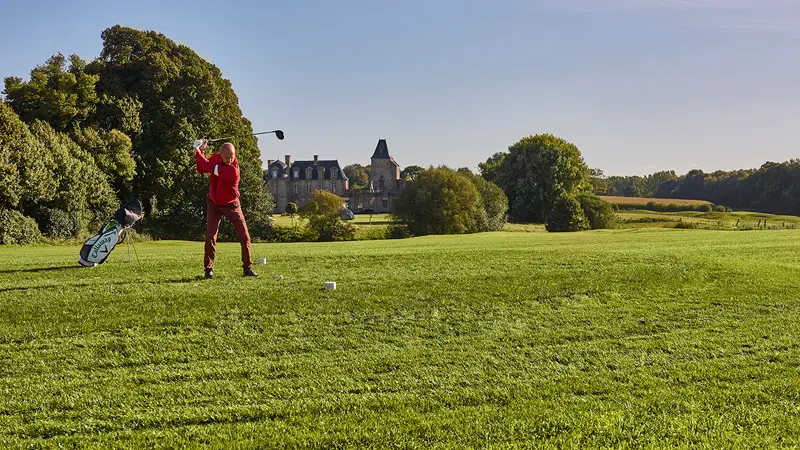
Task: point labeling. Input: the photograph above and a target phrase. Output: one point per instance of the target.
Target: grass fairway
(652, 338)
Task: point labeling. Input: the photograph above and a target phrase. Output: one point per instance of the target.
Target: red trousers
(234, 213)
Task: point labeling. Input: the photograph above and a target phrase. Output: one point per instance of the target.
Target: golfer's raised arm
(202, 163)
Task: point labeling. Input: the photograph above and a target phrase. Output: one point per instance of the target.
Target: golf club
(278, 133)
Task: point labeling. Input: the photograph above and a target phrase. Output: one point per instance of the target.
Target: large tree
(491, 166)
(60, 94)
(148, 82)
(357, 174)
(411, 172)
(323, 212)
(440, 201)
(43, 168)
(24, 177)
(493, 202)
(536, 171)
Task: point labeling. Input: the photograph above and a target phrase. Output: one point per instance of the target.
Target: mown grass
(608, 339)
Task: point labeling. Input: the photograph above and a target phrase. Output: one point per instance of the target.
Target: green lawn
(651, 338)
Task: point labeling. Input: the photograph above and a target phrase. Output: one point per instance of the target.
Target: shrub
(288, 234)
(398, 231)
(720, 208)
(15, 228)
(705, 208)
(372, 233)
(57, 223)
(342, 231)
(323, 212)
(491, 215)
(291, 209)
(440, 201)
(686, 225)
(567, 215)
(598, 212)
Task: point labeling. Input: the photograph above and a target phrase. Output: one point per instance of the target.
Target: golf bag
(347, 214)
(98, 247)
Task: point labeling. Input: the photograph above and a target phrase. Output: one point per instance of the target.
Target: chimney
(316, 159)
(269, 162)
(288, 160)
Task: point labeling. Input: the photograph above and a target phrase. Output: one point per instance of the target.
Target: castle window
(308, 173)
(274, 173)
(380, 183)
(334, 173)
(294, 186)
(296, 173)
(385, 203)
(308, 188)
(321, 173)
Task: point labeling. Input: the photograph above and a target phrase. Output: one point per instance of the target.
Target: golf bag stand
(98, 247)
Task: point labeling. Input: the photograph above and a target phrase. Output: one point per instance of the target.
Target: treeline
(79, 138)
(773, 188)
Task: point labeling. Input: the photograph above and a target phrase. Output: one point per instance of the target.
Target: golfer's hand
(203, 145)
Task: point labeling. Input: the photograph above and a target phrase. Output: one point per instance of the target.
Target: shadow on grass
(41, 269)
(187, 279)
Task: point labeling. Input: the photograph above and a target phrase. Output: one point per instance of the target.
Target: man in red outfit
(223, 200)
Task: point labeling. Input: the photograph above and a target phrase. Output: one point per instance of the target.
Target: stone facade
(294, 181)
(384, 187)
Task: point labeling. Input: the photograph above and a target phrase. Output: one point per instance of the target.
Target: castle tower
(385, 172)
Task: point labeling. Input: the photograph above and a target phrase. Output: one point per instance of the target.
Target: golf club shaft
(240, 136)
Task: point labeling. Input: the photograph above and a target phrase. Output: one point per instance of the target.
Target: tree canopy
(135, 110)
(358, 175)
(535, 172)
(323, 212)
(440, 201)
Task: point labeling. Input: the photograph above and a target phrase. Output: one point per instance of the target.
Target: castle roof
(382, 150)
(301, 166)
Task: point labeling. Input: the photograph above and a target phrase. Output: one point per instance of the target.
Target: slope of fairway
(634, 338)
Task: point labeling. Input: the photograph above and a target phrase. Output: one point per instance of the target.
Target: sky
(638, 86)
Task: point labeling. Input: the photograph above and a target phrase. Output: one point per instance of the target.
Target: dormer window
(308, 173)
(296, 173)
(321, 172)
(333, 173)
(274, 173)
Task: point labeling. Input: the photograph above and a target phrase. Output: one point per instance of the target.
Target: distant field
(654, 338)
(645, 200)
(360, 220)
(740, 220)
(630, 218)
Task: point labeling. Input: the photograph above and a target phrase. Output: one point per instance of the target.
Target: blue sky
(637, 85)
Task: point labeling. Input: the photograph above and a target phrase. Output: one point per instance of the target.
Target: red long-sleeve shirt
(224, 184)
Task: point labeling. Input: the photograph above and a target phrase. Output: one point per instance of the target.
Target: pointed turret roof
(382, 150)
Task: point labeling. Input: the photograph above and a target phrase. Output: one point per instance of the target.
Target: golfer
(223, 200)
